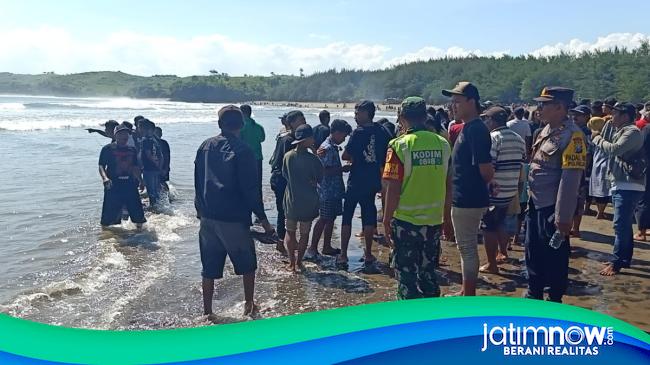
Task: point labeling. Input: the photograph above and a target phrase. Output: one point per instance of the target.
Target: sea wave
(11, 106)
(31, 125)
(103, 105)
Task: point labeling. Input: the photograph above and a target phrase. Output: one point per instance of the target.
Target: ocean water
(57, 266)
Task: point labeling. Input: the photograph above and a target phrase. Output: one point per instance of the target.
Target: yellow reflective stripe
(419, 207)
(406, 156)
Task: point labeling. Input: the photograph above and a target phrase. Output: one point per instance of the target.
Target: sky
(255, 37)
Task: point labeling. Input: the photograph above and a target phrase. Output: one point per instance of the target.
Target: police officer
(416, 180)
(557, 164)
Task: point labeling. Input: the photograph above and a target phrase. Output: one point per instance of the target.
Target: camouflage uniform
(414, 259)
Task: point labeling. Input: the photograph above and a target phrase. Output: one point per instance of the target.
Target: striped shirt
(508, 153)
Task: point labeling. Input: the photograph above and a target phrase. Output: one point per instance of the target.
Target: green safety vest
(425, 156)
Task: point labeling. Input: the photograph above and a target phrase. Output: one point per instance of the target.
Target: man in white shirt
(521, 126)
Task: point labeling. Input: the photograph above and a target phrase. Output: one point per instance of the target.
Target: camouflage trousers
(414, 258)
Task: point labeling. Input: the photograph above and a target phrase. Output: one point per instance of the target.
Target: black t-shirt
(367, 146)
(283, 144)
(390, 128)
(164, 147)
(472, 148)
(150, 144)
(321, 132)
(118, 160)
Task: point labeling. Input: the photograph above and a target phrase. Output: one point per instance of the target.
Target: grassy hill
(617, 72)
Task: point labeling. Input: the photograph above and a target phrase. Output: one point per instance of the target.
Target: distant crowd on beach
(466, 171)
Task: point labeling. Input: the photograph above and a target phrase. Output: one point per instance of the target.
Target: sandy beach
(320, 105)
(60, 268)
(625, 296)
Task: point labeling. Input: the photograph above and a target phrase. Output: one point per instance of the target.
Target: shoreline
(381, 106)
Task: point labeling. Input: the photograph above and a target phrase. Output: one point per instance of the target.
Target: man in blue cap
(558, 161)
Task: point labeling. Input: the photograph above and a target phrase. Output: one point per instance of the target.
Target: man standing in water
(331, 189)
(109, 129)
(557, 163)
(227, 192)
(166, 153)
(303, 172)
(417, 201)
(120, 173)
(322, 131)
(366, 150)
(253, 135)
(152, 161)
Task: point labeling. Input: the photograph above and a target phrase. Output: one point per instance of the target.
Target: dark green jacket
(253, 135)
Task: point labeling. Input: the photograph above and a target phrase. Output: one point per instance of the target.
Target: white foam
(12, 106)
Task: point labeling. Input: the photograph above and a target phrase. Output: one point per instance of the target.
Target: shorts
(494, 219)
(602, 200)
(304, 227)
(368, 209)
(511, 224)
(218, 239)
(123, 193)
(330, 209)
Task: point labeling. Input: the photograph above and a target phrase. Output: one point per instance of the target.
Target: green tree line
(618, 72)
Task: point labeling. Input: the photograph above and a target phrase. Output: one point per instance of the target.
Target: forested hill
(621, 73)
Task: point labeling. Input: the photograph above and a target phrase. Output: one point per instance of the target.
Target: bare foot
(609, 270)
(250, 309)
(292, 268)
(331, 251)
(300, 268)
(311, 255)
(280, 248)
(367, 260)
(455, 294)
(501, 258)
(487, 268)
(639, 237)
(341, 261)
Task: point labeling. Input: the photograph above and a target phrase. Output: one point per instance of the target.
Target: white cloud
(54, 49)
(576, 46)
(427, 53)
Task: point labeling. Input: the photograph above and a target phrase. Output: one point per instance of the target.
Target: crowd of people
(136, 160)
(472, 171)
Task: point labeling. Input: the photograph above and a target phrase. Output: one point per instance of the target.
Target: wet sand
(625, 296)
